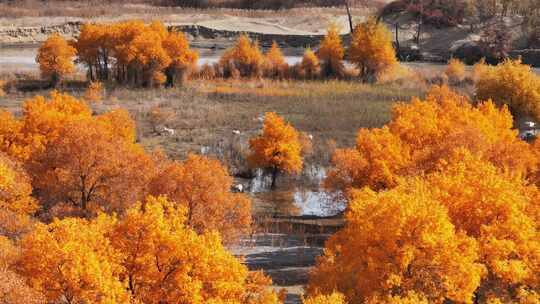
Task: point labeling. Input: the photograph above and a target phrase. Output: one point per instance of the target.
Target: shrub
(455, 71)
(94, 92)
(207, 72)
(439, 13)
(372, 50)
(478, 69)
(511, 83)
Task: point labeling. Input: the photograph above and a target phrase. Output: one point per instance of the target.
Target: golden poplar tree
(277, 149)
(41, 121)
(90, 167)
(72, 260)
(331, 52)
(75, 158)
(275, 64)
(511, 83)
(310, 66)
(371, 49)
(245, 57)
(163, 260)
(202, 185)
(55, 58)
(474, 223)
(183, 58)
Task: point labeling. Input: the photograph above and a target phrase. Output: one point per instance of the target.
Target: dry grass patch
(204, 114)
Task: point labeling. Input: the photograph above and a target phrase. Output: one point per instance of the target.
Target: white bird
(236, 132)
(530, 124)
(310, 136)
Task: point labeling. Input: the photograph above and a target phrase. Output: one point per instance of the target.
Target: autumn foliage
(275, 65)
(455, 71)
(513, 84)
(55, 58)
(146, 256)
(334, 298)
(468, 230)
(202, 186)
(371, 49)
(331, 53)
(94, 92)
(82, 164)
(244, 59)
(423, 132)
(442, 203)
(77, 223)
(132, 52)
(277, 149)
(310, 66)
(17, 206)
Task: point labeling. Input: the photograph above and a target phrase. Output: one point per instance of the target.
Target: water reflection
(300, 196)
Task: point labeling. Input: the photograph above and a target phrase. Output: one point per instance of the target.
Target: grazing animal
(238, 188)
(162, 130)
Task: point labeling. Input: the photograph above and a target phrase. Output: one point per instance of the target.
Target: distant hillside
(467, 29)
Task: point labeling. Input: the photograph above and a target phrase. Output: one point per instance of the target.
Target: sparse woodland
(442, 202)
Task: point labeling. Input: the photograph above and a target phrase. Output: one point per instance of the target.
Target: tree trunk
(420, 22)
(55, 80)
(397, 41)
(349, 15)
(275, 172)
